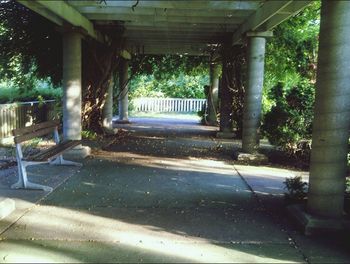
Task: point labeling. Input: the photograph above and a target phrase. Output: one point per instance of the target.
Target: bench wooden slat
(38, 133)
(36, 127)
(54, 151)
(27, 133)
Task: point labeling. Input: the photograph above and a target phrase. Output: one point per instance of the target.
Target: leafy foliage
(296, 187)
(41, 90)
(90, 135)
(288, 96)
(30, 47)
(28, 57)
(169, 76)
(31, 50)
(100, 63)
(290, 119)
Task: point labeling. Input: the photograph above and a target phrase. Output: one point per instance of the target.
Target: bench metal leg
(31, 186)
(23, 182)
(61, 161)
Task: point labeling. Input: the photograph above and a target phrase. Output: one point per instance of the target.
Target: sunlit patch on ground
(160, 197)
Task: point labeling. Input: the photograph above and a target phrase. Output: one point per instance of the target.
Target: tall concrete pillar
(332, 113)
(123, 95)
(108, 107)
(72, 91)
(213, 93)
(253, 93)
(72, 125)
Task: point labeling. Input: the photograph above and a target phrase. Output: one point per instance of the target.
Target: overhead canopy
(170, 27)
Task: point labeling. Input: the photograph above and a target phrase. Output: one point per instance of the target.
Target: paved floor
(162, 193)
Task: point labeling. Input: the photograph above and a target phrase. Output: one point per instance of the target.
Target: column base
(225, 135)
(110, 131)
(122, 121)
(255, 158)
(79, 152)
(312, 224)
(7, 206)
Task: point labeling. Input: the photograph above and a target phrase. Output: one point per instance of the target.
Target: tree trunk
(232, 89)
(238, 71)
(100, 63)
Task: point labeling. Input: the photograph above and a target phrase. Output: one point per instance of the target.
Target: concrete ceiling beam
(268, 16)
(61, 13)
(193, 5)
(263, 14)
(292, 9)
(177, 28)
(161, 18)
(155, 34)
(180, 26)
(103, 9)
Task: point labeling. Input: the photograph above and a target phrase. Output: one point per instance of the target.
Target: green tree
(27, 56)
(169, 76)
(288, 96)
(31, 47)
(29, 44)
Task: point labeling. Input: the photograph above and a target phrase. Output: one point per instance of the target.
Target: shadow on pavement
(163, 196)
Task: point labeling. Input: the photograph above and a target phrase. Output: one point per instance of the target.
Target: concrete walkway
(161, 193)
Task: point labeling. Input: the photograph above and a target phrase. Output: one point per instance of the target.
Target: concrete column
(123, 96)
(72, 86)
(108, 107)
(332, 113)
(213, 94)
(72, 102)
(253, 93)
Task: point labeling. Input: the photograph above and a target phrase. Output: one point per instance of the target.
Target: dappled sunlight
(68, 224)
(267, 180)
(167, 125)
(163, 197)
(88, 183)
(269, 193)
(190, 164)
(269, 172)
(30, 253)
(53, 223)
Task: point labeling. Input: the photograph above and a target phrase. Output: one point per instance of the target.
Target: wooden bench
(52, 155)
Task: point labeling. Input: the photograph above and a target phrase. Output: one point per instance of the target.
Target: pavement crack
(291, 240)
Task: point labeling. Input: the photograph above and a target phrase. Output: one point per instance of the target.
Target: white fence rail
(160, 105)
(19, 115)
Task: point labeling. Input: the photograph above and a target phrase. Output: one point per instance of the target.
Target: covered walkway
(218, 30)
(153, 195)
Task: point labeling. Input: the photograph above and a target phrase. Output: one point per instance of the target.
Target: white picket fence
(177, 105)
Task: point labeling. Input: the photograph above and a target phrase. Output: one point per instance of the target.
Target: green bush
(40, 90)
(297, 189)
(177, 86)
(290, 118)
(88, 134)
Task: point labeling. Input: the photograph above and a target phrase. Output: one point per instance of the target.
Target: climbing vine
(100, 65)
(232, 88)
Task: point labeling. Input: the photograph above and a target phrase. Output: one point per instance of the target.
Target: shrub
(297, 189)
(88, 134)
(290, 119)
(41, 90)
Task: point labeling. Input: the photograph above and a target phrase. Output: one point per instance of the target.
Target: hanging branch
(125, 85)
(100, 62)
(135, 5)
